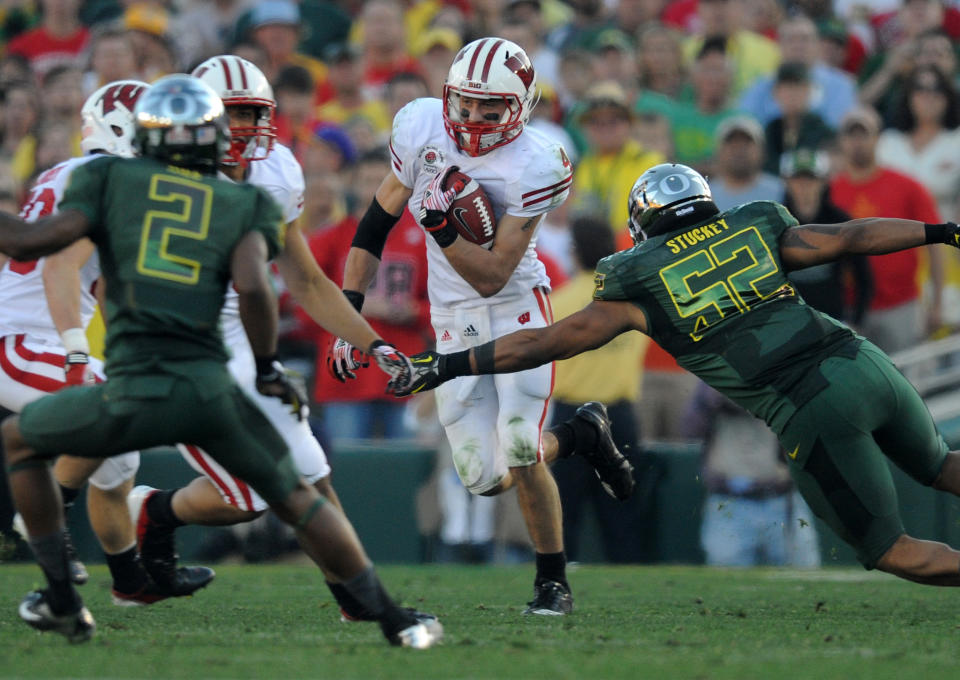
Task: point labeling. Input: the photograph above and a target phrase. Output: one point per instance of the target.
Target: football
(471, 212)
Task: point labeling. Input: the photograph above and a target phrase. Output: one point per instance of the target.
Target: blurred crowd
(838, 110)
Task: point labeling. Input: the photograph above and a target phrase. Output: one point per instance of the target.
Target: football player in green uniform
(711, 288)
(170, 236)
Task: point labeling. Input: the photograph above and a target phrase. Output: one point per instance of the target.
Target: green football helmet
(180, 120)
(665, 190)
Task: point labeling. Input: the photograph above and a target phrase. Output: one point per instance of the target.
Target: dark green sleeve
(85, 191)
(268, 220)
(609, 285)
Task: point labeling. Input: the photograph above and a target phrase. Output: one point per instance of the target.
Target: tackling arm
(593, 326)
(29, 241)
(811, 244)
(320, 297)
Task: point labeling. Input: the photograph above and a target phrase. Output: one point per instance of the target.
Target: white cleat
(419, 636)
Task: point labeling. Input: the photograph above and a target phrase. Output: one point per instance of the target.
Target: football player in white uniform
(218, 498)
(493, 423)
(45, 305)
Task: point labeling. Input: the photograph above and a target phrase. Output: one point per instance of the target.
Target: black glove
(273, 380)
(952, 236)
(426, 374)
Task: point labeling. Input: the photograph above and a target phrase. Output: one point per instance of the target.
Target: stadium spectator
(796, 126)
(660, 60)
(149, 28)
(752, 514)
(833, 91)
(395, 305)
(615, 59)
(274, 25)
(349, 99)
(578, 32)
(112, 57)
(21, 112)
(296, 113)
(632, 16)
(203, 28)
(610, 374)
(753, 55)
(693, 123)
(402, 89)
(435, 50)
(384, 44)
(59, 39)
(607, 171)
(925, 144)
(864, 188)
(330, 149)
(526, 16)
(738, 165)
(842, 288)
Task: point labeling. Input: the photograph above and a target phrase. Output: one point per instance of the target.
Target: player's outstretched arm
(258, 303)
(29, 241)
(812, 244)
(320, 297)
(593, 326)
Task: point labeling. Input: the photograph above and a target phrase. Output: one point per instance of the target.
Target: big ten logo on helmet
(431, 159)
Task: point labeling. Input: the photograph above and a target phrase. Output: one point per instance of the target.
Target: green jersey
(716, 297)
(165, 237)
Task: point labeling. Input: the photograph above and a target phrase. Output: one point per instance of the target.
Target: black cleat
(157, 551)
(36, 613)
(75, 568)
(550, 598)
(186, 581)
(615, 471)
(421, 617)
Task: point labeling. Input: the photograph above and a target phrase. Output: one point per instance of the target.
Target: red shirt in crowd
(44, 51)
(888, 193)
(401, 281)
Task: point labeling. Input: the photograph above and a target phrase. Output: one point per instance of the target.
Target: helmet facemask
(476, 139)
(254, 142)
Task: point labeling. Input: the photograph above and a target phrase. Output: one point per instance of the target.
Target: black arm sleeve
(373, 229)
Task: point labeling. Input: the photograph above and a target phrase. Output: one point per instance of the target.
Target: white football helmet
(240, 83)
(108, 118)
(489, 68)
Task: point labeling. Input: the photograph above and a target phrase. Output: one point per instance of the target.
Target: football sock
(128, 575)
(552, 567)
(160, 509)
(367, 590)
(574, 436)
(51, 554)
(347, 602)
(69, 496)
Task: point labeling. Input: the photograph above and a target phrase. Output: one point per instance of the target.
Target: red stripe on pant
(37, 382)
(197, 455)
(543, 300)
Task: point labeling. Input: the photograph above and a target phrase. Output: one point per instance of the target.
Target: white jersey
(23, 303)
(525, 178)
(282, 177)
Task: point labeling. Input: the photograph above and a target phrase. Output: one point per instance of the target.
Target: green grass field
(630, 622)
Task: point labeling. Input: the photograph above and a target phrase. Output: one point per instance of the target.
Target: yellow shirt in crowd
(610, 373)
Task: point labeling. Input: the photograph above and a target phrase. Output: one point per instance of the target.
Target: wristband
(454, 365)
(444, 233)
(265, 364)
(355, 297)
(75, 340)
(935, 233)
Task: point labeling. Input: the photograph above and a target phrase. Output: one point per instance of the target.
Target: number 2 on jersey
(185, 215)
(728, 276)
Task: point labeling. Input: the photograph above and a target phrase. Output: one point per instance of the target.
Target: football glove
(391, 361)
(273, 380)
(952, 236)
(343, 359)
(434, 206)
(425, 375)
(77, 369)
